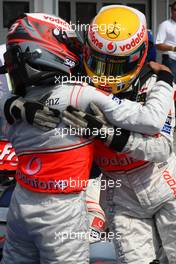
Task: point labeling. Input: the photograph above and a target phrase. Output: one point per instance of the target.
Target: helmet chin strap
(143, 76)
(124, 95)
(133, 90)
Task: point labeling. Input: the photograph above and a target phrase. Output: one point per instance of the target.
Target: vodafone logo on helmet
(111, 47)
(134, 41)
(53, 19)
(48, 18)
(57, 21)
(94, 40)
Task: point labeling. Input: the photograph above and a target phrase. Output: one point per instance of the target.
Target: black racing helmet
(40, 46)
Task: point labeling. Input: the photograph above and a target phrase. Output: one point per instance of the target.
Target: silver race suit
(142, 211)
(40, 221)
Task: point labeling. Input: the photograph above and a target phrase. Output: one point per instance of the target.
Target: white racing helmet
(116, 47)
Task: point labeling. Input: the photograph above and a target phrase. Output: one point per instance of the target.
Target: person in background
(166, 41)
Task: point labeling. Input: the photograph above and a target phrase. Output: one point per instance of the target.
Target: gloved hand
(97, 230)
(34, 113)
(96, 216)
(99, 114)
(85, 123)
(96, 125)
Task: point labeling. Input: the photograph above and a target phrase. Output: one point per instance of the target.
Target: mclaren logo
(113, 30)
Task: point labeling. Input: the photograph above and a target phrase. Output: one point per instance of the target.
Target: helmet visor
(109, 65)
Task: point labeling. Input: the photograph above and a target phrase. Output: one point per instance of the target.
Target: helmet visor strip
(109, 65)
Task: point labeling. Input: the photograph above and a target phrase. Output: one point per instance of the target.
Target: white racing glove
(96, 125)
(96, 214)
(96, 225)
(34, 113)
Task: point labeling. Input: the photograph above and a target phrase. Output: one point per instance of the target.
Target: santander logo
(134, 40)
